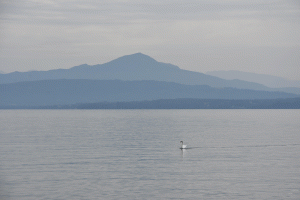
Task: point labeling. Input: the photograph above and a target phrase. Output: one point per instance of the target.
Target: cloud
(95, 31)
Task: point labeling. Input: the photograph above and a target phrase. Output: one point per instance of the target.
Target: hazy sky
(261, 36)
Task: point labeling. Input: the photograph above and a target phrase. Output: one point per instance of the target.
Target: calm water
(134, 154)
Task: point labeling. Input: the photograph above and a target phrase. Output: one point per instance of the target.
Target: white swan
(182, 145)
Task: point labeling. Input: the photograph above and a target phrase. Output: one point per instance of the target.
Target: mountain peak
(137, 58)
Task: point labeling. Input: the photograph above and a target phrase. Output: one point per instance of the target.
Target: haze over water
(134, 154)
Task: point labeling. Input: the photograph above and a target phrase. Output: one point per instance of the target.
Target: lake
(134, 154)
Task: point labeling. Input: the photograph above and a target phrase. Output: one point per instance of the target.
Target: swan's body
(182, 145)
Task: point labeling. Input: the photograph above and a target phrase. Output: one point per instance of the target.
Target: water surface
(134, 154)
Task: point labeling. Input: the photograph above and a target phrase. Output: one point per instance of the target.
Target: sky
(259, 36)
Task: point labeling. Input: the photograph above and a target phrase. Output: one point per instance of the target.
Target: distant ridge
(137, 67)
(130, 68)
(74, 91)
(267, 80)
(293, 103)
(290, 103)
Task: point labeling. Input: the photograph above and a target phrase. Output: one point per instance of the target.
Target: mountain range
(130, 68)
(264, 79)
(135, 77)
(63, 91)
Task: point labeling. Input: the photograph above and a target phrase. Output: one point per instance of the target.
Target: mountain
(291, 103)
(267, 80)
(131, 68)
(69, 91)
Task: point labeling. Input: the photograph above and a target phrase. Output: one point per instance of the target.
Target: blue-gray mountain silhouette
(281, 84)
(66, 92)
(136, 77)
(131, 67)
